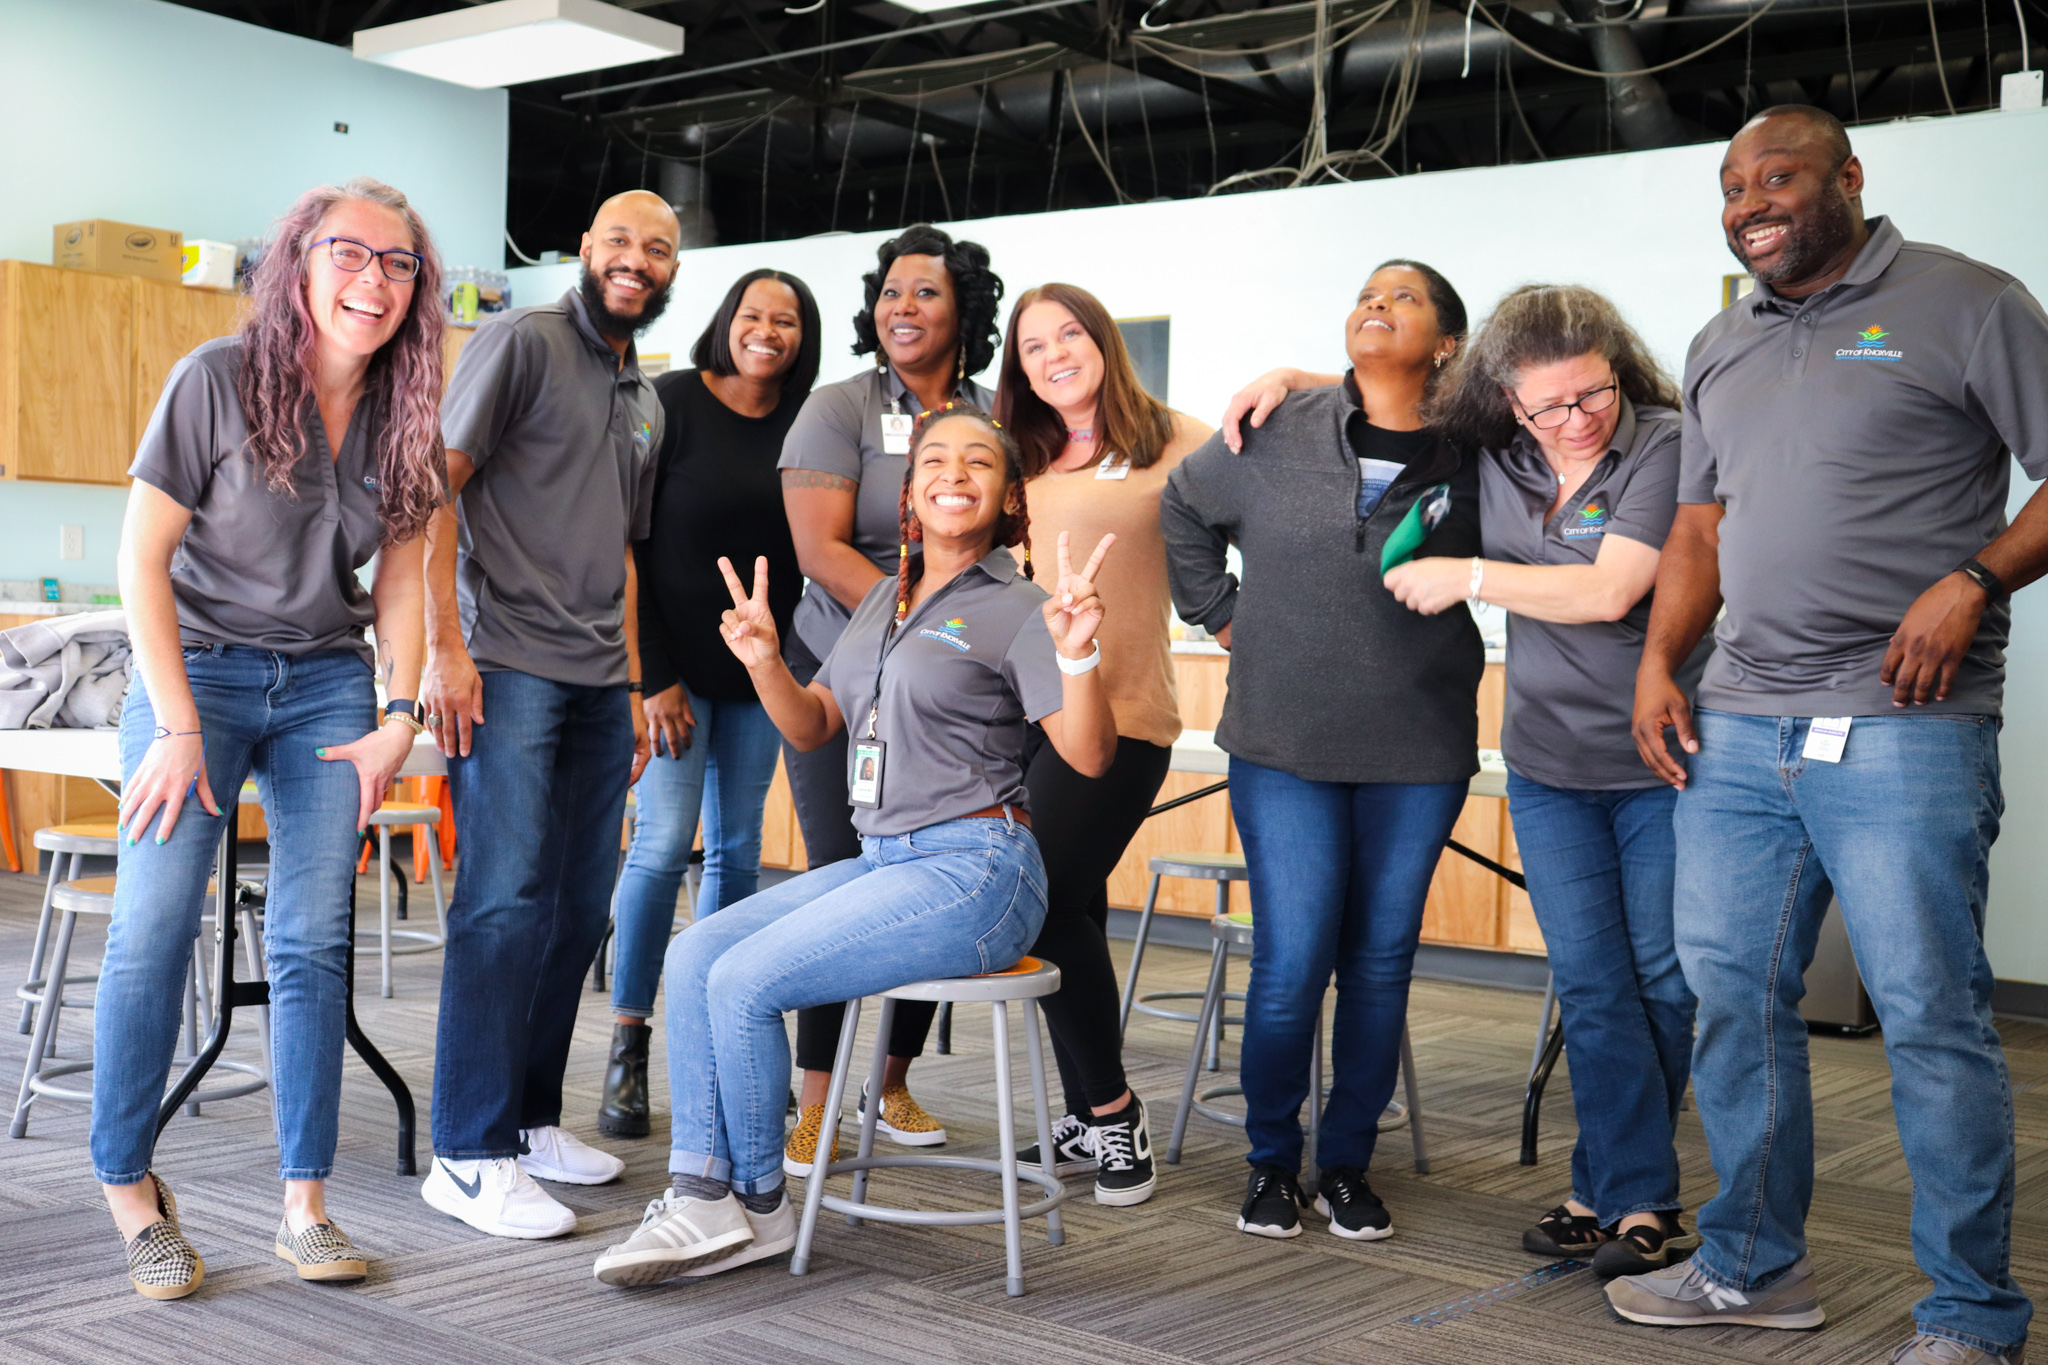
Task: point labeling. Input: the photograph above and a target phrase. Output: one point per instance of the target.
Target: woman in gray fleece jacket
(1351, 722)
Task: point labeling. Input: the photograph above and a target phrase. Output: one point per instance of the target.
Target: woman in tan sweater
(1097, 450)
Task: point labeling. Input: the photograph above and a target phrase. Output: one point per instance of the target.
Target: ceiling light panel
(514, 41)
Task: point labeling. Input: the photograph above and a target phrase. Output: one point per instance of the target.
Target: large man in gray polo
(1844, 475)
(551, 432)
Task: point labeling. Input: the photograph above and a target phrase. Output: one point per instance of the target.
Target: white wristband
(1478, 581)
(1073, 668)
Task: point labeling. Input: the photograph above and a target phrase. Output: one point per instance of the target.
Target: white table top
(97, 754)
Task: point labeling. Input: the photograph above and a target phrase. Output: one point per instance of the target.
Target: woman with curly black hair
(929, 318)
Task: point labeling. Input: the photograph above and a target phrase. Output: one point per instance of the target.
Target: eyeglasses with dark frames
(1550, 418)
(353, 257)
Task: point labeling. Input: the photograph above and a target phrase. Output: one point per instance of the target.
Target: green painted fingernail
(320, 753)
(159, 838)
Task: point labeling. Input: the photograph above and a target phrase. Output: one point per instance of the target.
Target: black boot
(624, 1111)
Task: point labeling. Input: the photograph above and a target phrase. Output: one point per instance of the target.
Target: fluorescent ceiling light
(514, 41)
(929, 6)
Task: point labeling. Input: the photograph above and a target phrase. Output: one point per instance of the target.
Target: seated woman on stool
(941, 671)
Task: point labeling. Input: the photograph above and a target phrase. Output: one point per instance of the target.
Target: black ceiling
(1016, 106)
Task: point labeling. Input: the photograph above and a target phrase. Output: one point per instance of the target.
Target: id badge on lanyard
(896, 431)
(871, 755)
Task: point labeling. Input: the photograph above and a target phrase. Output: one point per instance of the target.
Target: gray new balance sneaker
(676, 1233)
(1926, 1349)
(1680, 1296)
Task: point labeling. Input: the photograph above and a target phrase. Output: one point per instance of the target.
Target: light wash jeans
(1900, 830)
(267, 712)
(953, 899)
(723, 775)
(1599, 866)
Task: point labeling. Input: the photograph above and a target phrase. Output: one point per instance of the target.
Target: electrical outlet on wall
(71, 542)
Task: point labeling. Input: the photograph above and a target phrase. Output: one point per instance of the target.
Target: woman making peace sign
(940, 671)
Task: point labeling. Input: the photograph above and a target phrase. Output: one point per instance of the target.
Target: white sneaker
(559, 1155)
(493, 1195)
(676, 1233)
(774, 1233)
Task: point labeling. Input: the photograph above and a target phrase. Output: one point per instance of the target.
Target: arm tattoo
(818, 478)
(390, 663)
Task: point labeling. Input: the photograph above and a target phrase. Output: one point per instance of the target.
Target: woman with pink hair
(279, 460)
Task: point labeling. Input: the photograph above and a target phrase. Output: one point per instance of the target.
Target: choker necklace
(1083, 434)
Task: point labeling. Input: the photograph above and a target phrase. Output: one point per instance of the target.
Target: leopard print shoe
(162, 1264)
(322, 1252)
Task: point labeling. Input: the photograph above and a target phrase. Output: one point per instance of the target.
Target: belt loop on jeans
(1009, 820)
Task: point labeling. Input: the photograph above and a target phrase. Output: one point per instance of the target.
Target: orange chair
(7, 828)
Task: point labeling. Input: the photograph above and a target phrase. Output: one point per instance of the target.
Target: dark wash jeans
(538, 806)
(1599, 865)
(1339, 872)
(1900, 831)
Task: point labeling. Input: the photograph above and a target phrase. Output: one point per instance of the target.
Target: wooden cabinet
(169, 322)
(65, 343)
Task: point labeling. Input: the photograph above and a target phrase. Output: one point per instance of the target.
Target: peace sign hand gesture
(749, 628)
(1074, 611)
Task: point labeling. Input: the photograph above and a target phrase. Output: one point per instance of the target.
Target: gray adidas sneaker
(1680, 1296)
(676, 1233)
(1927, 1349)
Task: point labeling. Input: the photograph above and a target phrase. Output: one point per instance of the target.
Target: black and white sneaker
(1354, 1211)
(1072, 1151)
(1123, 1152)
(1272, 1204)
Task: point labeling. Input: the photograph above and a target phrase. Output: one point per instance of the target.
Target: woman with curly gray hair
(1578, 476)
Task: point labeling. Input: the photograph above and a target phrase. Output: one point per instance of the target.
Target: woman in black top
(716, 493)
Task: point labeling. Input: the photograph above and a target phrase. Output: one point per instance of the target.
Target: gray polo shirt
(1571, 688)
(964, 675)
(839, 431)
(261, 568)
(563, 441)
(1857, 441)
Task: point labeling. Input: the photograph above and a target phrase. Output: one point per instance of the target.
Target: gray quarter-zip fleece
(1331, 678)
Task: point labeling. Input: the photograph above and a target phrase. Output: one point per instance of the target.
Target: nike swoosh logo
(471, 1187)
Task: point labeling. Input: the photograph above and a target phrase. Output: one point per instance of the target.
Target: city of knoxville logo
(948, 634)
(644, 437)
(1870, 346)
(1592, 522)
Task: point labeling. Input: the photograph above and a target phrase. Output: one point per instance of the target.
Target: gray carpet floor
(1169, 1281)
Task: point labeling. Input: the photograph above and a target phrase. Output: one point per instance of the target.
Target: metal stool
(414, 814)
(1220, 868)
(1028, 981)
(95, 896)
(68, 845)
(1228, 931)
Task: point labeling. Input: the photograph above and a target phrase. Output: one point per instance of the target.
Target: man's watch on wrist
(405, 711)
(1983, 578)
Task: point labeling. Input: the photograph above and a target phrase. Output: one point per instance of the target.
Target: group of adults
(586, 579)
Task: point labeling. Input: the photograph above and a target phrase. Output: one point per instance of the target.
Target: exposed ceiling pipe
(1642, 114)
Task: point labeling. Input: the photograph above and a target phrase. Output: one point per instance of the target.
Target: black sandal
(1641, 1250)
(1564, 1233)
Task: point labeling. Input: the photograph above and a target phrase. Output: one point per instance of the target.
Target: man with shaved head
(530, 691)
(1849, 435)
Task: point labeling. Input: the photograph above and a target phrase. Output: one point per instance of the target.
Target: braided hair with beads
(1012, 528)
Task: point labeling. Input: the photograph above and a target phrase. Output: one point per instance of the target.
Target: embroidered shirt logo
(644, 437)
(1592, 522)
(947, 634)
(1870, 346)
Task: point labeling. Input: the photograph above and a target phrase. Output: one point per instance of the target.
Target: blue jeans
(538, 807)
(953, 899)
(1599, 866)
(267, 712)
(1900, 831)
(731, 760)
(1339, 872)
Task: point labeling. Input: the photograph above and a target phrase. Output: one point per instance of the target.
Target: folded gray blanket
(66, 672)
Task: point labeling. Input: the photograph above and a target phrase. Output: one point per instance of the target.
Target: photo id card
(1826, 737)
(896, 430)
(1113, 468)
(865, 788)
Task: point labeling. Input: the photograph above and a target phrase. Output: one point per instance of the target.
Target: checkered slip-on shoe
(322, 1252)
(162, 1264)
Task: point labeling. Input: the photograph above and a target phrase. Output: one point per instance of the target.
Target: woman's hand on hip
(1074, 610)
(1430, 585)
(174, 767)
(670, 718)
(377, 757)
(749, 628)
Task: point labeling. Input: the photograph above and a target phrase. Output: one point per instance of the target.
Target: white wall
(1258, 280)
(153, 113)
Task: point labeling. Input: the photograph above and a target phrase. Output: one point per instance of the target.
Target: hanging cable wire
(1094, 151)
(845, 155)
(1934, 33)
(974, 147)
(1521, 117)
(1059, 118)
(1849, 49)
(1145, 121)
(910, 155)
(1696, 53)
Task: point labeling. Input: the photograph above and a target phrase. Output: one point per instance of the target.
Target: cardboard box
(119, 249)
(209, 265)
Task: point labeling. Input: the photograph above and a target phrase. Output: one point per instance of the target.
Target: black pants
(1083, 826)
(817, 785)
